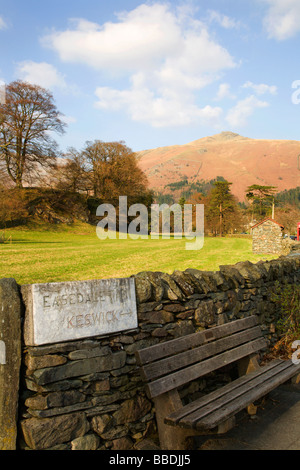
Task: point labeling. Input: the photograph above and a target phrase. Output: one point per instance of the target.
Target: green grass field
(43, 254)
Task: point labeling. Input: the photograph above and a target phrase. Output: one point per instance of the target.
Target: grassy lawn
(43, 254)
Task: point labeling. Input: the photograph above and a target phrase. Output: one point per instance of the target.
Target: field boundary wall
(86, 394)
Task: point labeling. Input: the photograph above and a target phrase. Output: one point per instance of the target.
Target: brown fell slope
(240, 160)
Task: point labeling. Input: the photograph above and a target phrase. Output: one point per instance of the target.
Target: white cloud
(223, 20)
(238, 115)
(167, 56)
(224, 92)
(282, 20)
(139, 38)
(160, 111)
(3, 24)
(40, 73)
(261, 89)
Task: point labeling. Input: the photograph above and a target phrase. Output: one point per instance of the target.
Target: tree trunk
(18, 179)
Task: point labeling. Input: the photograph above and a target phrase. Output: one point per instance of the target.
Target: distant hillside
(174, 191)
(240, 160)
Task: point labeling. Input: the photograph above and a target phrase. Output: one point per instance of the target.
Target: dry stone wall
(87, 394)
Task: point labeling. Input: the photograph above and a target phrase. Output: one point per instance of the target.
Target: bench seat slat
(200, 369)
(200, 403)
(239, 387)
(218, 416)
(178, 345)
(187, 358)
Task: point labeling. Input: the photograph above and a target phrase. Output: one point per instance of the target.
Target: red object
(298, 231)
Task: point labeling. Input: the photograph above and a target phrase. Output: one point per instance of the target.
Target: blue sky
(159, 73)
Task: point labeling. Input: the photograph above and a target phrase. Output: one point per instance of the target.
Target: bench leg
(248, 364)
(171, 438)
(245, 366)
(296, 379)
(224, 427)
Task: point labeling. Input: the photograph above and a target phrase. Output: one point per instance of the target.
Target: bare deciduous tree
(27, 119)
(71, 173)
(114, 170)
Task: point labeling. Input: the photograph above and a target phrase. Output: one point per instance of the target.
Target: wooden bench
(168, 366)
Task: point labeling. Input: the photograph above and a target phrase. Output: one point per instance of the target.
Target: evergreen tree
(261, 197)
(221, 204)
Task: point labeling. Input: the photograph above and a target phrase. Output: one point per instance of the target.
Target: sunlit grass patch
(65, 253)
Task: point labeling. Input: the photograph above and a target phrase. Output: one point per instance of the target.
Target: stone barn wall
(267, 237)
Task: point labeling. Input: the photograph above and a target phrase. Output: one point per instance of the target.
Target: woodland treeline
(38, 180)
(225, 214)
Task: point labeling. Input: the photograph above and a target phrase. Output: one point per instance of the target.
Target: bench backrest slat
(175, 346)
(170, 364)
(181, 377)
(174, 363)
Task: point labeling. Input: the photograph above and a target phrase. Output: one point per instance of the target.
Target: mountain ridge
(241, 160)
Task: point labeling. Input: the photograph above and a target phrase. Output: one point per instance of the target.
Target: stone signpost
(64, 311)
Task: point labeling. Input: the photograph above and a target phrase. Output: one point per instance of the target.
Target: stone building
(267, 236)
